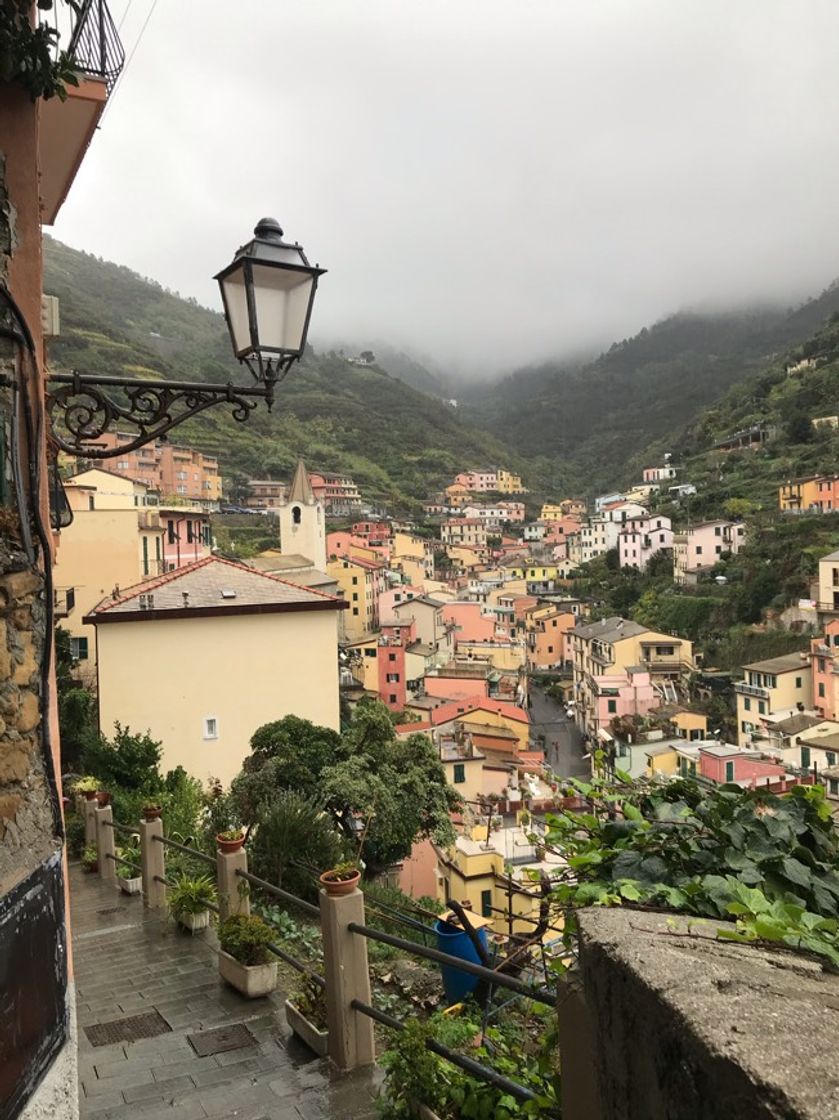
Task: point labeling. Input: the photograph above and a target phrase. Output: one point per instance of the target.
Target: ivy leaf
(796, 872)
(632, 812)
(629, 891)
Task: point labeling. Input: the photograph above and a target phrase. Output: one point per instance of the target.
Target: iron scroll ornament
(81, 411)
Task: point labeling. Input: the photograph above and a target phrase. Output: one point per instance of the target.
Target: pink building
(629, 693)
(455, 687)
(824, 663)
(399, 594)
(641, 538)
(186, 536)
(470, 624)
(667, 473)
(478, 481)
(390, 659)
(372, 531)
(701, 547)
(726, 763)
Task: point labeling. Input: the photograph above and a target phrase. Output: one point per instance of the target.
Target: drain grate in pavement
(148, 1025)
(220, 1039)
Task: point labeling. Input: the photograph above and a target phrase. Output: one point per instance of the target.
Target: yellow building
(509, 483)
(803, 493)
(612, 646)
(360, 583)
(501, 655)
(457, 495)
(777, 685)
(490, 868)
(114, 540)
(568, 507)
(204, 656)
(829, 583)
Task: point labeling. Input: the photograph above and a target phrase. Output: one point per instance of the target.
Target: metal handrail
(121, 859)
(306, 907)
(469, 1065)
(540, 995)
(168, 883)
(186, 848)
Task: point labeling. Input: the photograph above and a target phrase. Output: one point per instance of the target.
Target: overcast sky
(488, 182)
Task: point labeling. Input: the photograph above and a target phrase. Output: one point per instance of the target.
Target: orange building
(175, 472)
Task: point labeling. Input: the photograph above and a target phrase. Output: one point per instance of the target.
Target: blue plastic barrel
(457, 943)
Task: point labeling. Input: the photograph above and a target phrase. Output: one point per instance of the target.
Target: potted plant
(244, 959)
(103, 797)
(129, 882)
(90, 858)
(305, 1013)
(230, 841)
(151, 812)
(341, 879)
(188, 899)
(86, 787)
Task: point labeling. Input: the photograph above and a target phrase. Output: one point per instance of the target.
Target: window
(391, 657)
(210, 727)
(612, 706)
(90, 502)
(355, 610)
(798, 682)
(699, 550)
(486, 904)
(78, 649)
(190, 535)
(170, 531)
(392, 698)
(831, 757)
(805, 758)
(747, 704)
(145, 556)
(296, 515)
(717, 531)
(393, 678)
(459, 773)
(355, 596)
(821, 688)
(369, 653)
(833, 786)
(355, 581)
(761, 707)
(729, 771)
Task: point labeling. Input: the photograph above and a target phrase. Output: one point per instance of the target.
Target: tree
(76, 706)
(367, 356)
(365, 778)
(798, 428)
(295, 835)
(129, 762)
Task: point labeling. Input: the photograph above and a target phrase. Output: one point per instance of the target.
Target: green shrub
(190, 894)
(246, 938)
(74, 829)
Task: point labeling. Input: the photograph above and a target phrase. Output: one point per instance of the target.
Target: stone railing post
(90, 808)
(347, 978)
(153, 863)
(106, 843)
(233, 890)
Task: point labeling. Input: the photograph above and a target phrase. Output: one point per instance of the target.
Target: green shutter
(805, 758)
(145, 556)
(486, 904)
(459, 773)
(729, 771)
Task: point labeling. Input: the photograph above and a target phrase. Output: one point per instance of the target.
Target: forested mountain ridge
(398, 443)
(592, 420)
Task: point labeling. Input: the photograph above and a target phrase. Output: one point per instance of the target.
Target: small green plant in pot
(244, 959)
(86, 787)
(230, 841)
(90, 858)
(341, 879)
(128, 878)
(305, 1013)
(189, 900)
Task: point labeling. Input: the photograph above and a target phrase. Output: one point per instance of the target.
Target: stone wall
(664, 1020)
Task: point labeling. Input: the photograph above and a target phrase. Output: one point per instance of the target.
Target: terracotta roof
(213, 586)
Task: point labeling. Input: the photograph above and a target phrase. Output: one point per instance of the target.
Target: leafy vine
(29, 55)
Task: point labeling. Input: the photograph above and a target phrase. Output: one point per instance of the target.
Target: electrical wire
(131, 54)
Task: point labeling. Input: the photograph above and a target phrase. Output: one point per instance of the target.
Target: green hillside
(586, 424)
(783, 403)
(398, 443)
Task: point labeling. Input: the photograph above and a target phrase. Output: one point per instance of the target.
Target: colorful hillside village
(464, 625)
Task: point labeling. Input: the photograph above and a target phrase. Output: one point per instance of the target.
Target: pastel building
(769, 688)
(628, 693)
(641, 538)
(698, 549)
(819, 494)
(825, 667)
(222, 649)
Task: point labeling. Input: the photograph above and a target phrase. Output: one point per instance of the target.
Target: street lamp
(268, 290)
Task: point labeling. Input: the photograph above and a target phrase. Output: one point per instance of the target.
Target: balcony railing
(90, 38)
(751, 690)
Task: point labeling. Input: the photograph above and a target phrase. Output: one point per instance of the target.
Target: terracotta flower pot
(338, 887)
(89, 794)
(151, 812)
(227, 847)
(103, 797)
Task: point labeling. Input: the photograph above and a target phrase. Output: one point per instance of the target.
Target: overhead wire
(131, 54)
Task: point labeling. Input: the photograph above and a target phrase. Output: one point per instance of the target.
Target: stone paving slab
(128, 961)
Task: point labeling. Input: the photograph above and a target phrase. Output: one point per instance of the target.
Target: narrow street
(563, 741)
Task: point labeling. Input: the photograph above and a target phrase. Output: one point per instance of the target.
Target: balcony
(67, 127)
(64, 601)
(751, 690)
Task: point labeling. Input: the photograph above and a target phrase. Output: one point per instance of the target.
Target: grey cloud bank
(490, 183)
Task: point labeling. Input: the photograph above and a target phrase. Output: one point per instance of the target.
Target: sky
(489, 183)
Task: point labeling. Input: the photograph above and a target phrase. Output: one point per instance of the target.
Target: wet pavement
(563, 741)
(129, 962)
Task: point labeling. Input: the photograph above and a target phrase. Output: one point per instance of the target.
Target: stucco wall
(244, 671)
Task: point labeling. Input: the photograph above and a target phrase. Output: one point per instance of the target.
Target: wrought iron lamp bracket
(81, 408)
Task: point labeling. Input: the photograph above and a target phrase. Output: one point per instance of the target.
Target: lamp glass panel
(236, 304)
(281, 299)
